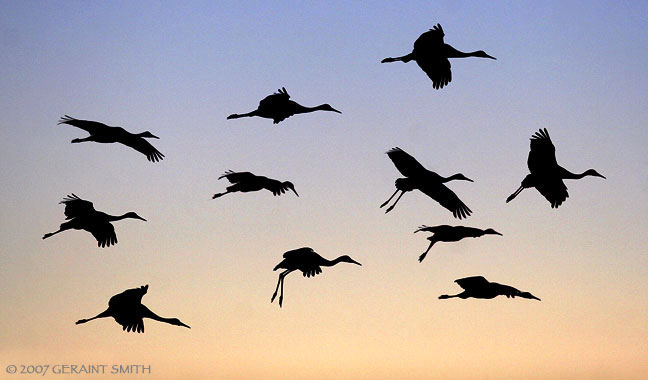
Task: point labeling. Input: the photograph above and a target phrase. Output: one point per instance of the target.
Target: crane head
(347, 259)
(148, 135)
(134, 216)
(594, 173)
(176, 322)
(492, 232)
(527, 295)
(289, 185)
(327, 107)
(482, 54)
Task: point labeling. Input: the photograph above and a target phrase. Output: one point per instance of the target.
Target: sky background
(178, 69)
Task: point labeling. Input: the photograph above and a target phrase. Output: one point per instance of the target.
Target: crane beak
(182, 324)
(140, 218)
(355, 262)
(295, 191)
(334, 110)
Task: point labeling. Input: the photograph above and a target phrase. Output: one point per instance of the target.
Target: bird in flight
(308, 262)
(479, 287)
(127, 310)
(428, 182)
(102, 133)
(431, 54)
(278, 107)
(546, 175)
(81, 215)
(452, 233)
(246, 182)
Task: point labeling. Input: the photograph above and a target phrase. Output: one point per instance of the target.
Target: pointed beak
(334, 110)
(469, 180)
(497, 233)
(355, 262)
(182, 324)
(294, 191)
(140, 218)
(600, 175)
(153, 136)
(535, 298)
(488, 56)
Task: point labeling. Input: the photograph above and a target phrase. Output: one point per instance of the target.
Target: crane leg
(427, 250)
(392, 206)
(103, 314)
(219, 195)
(280, 281)
(53, 233)
(390, 198)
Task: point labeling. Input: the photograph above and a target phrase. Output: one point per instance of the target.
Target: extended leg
(220, 194)
(392, 206)
(427, 250)
(103, 314)
(61, 229)
(390, 198)
(280, 281)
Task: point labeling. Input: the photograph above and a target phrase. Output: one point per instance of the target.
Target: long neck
(114, 218)
(301, 109)
(454, 53)
(146, 313)
(566, 174)
(330, 263)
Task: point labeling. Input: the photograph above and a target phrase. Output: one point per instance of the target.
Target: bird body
(308, 262)
(428, 182)
(105, 134)
(546, 175)
(431, 54)
(81, 215)
(127, 310)
(279, 107)
(246, 182)
(447, 233)
(479, 287)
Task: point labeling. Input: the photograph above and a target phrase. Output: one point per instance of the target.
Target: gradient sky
(178, 69)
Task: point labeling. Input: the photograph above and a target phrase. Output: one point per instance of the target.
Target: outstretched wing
(128, 298)
(236, 177)
(302, 253)
(92, 127)
(428, 52)
(406, 164)
(76, 207)
(276, 106)
(554, 190)
(141, 145)
(474, 282)
(104, 232)
(542, 156)
(448, 199)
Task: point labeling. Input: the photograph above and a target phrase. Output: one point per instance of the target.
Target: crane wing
(76, 207)
(104, 232)
(275, 186)
(542, 156)
(428, 52)
(92, 127)
(128, 298)
(278, 98)
(554, 190)
(302, 253)
(448, 199)
(141, 145)
(406, 164)
(468, 283)
(236, 177)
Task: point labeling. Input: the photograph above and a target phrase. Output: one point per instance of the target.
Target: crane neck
(454, 53)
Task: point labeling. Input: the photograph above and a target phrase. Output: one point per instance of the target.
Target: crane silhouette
(102, 133)
(278, 107)
(246, 182)
(452, 233)
(479, 287)
(81, 215)
(431, 54)
(127, 310)
(428, 182)
(546, 175)
(307, 261)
